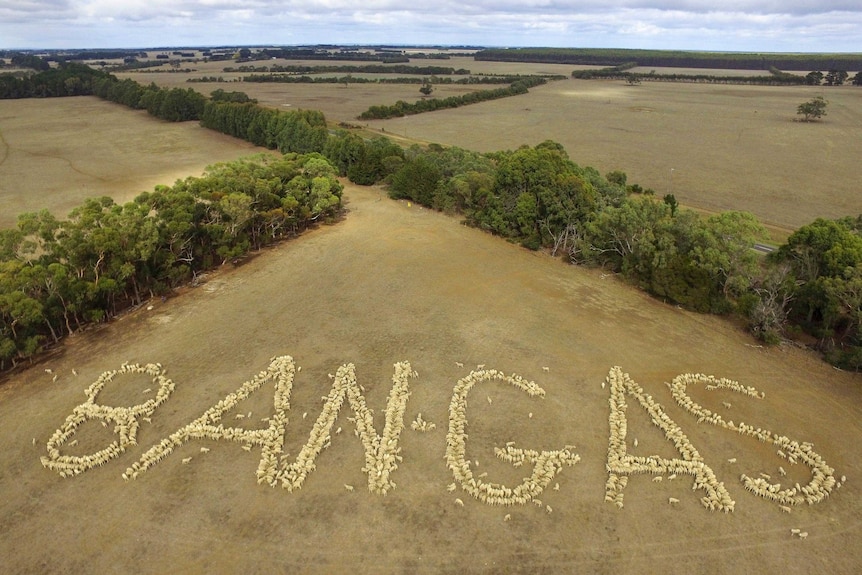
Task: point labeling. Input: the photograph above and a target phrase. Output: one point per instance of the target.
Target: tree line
(65, 80)
(327, 53)
(31, 61)
(536, 196)
(402, 108)
(775, 77)
(810, 288)
(349, 79)
(675, 58)
(57, 276)
(345, 69)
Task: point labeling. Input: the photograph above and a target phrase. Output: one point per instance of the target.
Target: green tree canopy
(813, 109)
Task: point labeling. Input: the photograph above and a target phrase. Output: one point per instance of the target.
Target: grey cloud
(28, 10)
(785, 25)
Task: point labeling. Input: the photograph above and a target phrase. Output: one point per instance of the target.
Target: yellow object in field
(409, 204)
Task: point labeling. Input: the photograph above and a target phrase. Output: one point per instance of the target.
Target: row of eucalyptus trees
(60, 275)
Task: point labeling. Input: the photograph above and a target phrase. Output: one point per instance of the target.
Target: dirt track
(394, 283)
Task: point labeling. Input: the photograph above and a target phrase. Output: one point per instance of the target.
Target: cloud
(30, 10)
(765, 25)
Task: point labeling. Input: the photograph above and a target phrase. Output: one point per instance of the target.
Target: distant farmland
(730, 147)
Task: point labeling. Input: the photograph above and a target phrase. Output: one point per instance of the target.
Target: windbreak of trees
(703, 264)
(362, 161)
(541, 199)
(306, 79)
(818, 273)
(402, 108)
(31, 61)
(300, 131)
(366, 69)
(775, 78)
(57, 276)
(675, 58)
(171, 104)
(65, 80)
(324, 53)
(810, 287)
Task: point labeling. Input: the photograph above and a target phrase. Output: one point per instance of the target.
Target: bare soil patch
(56, 153)
(393, 283)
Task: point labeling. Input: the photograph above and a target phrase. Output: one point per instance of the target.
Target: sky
(724, 25)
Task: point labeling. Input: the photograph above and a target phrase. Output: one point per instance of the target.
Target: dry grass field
(730, 147)
(393, 282)
(56, 153)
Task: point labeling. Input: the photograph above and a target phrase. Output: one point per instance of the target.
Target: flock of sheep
(420, 424)
(823, 479)
(546, 463)
(620, 465)
(382, 451)
(124, 420)
(207, 426)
